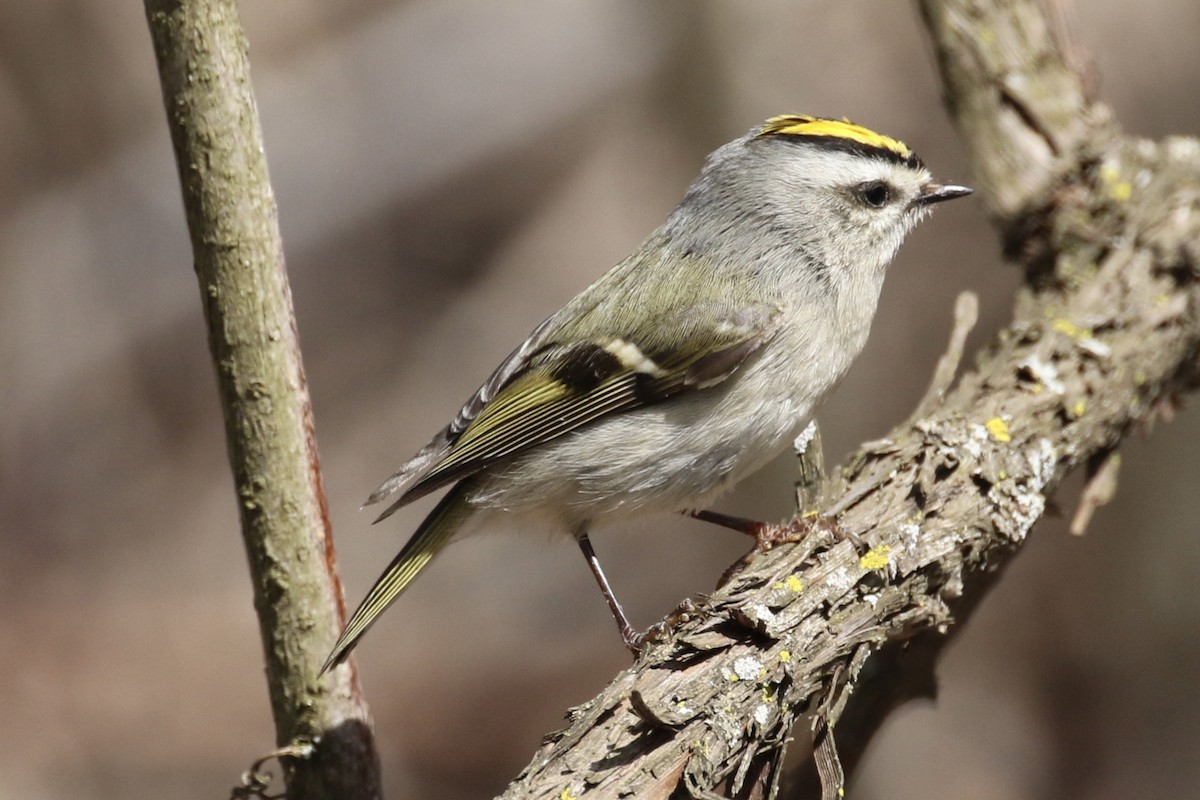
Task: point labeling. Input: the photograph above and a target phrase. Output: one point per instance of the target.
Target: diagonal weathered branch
(328, 750)
(1107, 330)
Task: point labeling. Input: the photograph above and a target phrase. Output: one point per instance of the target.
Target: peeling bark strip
(201, 51)
(1108, 329)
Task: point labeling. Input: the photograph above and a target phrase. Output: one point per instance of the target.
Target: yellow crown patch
(844, 129)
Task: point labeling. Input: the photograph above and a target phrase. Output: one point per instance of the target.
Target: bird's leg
(633, 640)
(765, 534)
(740, 524)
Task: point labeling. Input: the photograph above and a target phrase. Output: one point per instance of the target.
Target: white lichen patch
(760, 613)
(978, 434)
(1041, 463)
(840, 579)
(747, 668)
(1044, 373)
(728, 723)
(1022, 503)
(1029, 509)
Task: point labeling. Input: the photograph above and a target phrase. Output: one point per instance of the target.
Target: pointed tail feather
(434, 534)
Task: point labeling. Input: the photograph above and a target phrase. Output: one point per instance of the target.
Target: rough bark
(1104, 334)
(322, 726)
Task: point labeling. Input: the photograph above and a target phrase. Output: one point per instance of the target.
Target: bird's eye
(875, 194)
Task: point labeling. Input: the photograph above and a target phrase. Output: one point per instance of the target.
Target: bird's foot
(805, 525)
(638, 642)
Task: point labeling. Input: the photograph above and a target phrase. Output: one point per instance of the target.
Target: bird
(687, 366)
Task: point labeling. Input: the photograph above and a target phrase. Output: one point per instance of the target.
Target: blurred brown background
(448, 173)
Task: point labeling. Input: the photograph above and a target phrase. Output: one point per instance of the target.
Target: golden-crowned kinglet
(687, 366)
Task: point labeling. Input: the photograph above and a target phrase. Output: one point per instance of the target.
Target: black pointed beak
(937, 193)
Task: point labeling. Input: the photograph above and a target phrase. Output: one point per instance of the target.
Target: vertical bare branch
(231, 214)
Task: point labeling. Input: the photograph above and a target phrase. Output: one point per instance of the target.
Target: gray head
(839, 194)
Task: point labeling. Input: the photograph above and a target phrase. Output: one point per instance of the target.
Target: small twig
(829, 766)
(825, 753)
(1100, 489)
(966, 314)
(255, 781)
(811, 483)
